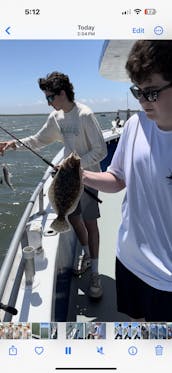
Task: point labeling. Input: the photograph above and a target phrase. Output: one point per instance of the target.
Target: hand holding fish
(7, 145)
(56, 168)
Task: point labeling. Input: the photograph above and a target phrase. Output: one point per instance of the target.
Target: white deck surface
(81, 308)
(108, 227)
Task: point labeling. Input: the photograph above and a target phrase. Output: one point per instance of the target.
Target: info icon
(132, 350)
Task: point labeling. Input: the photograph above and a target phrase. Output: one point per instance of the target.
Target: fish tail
(60, 225)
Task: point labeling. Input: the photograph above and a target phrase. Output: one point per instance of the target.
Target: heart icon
(39, 350)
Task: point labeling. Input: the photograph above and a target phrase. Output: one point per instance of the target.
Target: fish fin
(60, 225)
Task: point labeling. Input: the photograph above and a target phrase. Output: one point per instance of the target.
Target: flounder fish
(65, 191)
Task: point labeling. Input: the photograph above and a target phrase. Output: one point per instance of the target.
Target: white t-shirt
(143, 159)
(79, 131)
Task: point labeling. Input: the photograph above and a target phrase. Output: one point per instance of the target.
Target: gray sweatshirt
(79, 131)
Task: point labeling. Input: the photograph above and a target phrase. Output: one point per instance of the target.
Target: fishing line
(29, 148)
(46, 161)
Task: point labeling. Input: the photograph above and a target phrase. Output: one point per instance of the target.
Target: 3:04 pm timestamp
(34, 12)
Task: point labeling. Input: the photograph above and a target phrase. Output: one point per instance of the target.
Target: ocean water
(26, 170)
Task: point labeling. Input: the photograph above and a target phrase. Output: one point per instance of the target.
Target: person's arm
(49, 133)
(103, 181)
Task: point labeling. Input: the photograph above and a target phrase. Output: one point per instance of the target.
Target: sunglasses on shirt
(150, 94)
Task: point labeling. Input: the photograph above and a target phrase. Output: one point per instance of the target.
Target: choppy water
(26, 170)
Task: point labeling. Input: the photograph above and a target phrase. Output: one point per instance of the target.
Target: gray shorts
(87, 206)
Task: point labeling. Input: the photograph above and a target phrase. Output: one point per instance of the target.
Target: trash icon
(12, 351)
(159, 350)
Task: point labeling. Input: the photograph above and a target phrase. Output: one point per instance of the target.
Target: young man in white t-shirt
(76, 126)
(142, 164)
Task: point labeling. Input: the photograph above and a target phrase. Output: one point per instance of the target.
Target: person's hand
(7, 145)
(56, 168)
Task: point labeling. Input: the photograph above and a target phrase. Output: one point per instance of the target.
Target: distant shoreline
(43, 114)
(21, 115)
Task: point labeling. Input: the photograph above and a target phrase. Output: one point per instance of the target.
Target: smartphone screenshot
(85, 186)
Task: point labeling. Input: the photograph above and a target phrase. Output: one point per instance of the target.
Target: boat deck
(56, 295)
(81, 307)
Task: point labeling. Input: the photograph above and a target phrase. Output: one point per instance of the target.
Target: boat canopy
(113, 58)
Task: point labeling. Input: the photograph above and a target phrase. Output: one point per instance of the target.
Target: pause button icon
(68, 350)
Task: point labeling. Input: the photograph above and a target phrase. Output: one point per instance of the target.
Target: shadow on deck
(82, 308)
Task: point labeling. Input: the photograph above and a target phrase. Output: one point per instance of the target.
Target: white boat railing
(22, 226)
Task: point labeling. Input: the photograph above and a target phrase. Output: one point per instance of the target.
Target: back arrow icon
(7, 30)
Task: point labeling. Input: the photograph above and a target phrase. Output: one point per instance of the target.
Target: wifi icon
(137, 11)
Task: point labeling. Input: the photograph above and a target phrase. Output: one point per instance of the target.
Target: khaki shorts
(87, 206)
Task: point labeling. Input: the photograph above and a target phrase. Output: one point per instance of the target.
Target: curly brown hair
(55, 83)
(148, 57)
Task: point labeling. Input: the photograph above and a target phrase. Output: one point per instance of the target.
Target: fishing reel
(8, 309)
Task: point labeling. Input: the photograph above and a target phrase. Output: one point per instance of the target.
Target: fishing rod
(45, 160)
(29, 148)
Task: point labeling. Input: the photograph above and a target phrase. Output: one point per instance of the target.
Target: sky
(23, 62)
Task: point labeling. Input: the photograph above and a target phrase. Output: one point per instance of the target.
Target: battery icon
(150, 11)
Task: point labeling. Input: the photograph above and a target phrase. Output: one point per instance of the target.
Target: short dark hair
(56, 82)
(148, 57)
